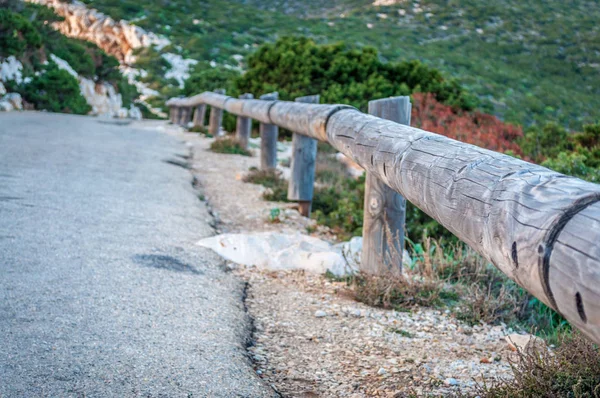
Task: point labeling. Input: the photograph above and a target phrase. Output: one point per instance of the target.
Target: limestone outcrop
(117, 38)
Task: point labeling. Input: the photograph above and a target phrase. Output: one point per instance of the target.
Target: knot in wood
(375, 204)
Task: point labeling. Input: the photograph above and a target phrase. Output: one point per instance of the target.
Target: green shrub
(56, 91)
(17, 34)
(297, 66)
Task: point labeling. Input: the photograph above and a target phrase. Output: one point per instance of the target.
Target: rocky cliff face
(115, 38)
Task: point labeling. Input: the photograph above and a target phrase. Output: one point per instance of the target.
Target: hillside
(52, 72)
(527, 62)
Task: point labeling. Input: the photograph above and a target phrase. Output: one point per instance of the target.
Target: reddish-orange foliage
(472, 127)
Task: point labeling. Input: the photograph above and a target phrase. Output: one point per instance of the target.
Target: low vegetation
(276, 185)
(230, 146)
(571, 370)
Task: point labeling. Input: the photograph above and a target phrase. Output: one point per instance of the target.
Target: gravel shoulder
(312, 339)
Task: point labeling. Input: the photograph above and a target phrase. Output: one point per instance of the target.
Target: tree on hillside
(297, 66)
(55, 90)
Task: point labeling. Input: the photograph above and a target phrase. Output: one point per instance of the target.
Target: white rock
(320, 314)
(2, 89)
(451, 381)
(179, 67)
(11, 69)
(64, 65)
(135, 113)
(14, 99)
(278, 251)
(6, 106)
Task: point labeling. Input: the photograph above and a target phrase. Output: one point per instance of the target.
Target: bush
(297, 66)
(56, 91)
(572, 370)
(17, 34)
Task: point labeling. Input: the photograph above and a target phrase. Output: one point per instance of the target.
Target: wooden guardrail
(539, 227)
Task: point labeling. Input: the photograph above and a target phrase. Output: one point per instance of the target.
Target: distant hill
(526, 61)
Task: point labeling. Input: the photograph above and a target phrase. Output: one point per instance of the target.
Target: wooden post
(385, 210)
(268, 139)
(199, 115)
(179, 115)
(216, 118)
(186, 116)
(172, 113)
(243, 126)
(304, 158)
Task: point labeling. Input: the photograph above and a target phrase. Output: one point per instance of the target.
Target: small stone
(382, 372)
(320, 314)
(450, 381)
(485, 360)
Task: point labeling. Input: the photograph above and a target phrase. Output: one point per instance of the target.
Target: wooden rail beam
(268, 136)
(539, 227)
(304, 160)
(385, 209)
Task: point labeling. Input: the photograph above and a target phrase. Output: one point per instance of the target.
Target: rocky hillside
(48, 71)
(527, 61)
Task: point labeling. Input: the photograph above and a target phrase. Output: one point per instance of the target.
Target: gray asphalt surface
(102, 292)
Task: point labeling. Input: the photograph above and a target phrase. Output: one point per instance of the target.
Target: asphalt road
(102, 292)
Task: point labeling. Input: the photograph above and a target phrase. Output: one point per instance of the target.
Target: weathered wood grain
(216, 117)
(243, 124)
(258, 109)
(385, 209)
(506, 209)
(268, 137)
(304, 159)
(304, 118)
(199, 115)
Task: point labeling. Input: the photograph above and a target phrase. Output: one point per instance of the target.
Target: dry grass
(572, 370)
(486, 294)
(230, 146)
(396, 292)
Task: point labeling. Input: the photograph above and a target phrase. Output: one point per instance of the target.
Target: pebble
(320, 314)
(451, 381)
